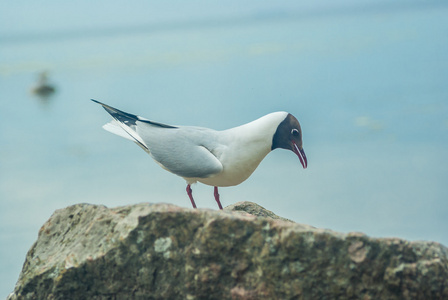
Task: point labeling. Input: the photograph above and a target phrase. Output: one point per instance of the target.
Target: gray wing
(185, 151)
(182, 150)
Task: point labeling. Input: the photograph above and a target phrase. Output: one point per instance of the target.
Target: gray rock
(161, 251)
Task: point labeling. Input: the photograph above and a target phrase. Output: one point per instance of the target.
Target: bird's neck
(253, 141)
(262, 129)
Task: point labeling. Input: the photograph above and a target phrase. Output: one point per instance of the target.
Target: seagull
(216, 158)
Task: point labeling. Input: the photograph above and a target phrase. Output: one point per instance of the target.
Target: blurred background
(368, 80)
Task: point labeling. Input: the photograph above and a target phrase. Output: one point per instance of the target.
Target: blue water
(367, 80)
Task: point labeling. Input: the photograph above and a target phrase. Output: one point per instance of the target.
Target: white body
(216, 158)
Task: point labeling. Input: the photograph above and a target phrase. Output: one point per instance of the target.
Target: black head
(289, 136)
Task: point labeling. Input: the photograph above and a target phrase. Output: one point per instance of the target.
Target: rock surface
(161, 251)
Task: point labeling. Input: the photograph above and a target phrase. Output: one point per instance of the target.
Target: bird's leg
(190, 194)
(217, 197)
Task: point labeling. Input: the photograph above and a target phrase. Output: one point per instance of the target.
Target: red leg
(190, 194)
(217, 197)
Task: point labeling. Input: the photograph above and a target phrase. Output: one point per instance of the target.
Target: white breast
(241, 149)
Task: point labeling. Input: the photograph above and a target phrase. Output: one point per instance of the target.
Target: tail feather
(115, 128)
(123, 125)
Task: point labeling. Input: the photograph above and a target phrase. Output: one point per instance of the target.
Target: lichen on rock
(161, 251)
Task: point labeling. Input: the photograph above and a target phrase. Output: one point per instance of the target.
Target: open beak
(301, 154)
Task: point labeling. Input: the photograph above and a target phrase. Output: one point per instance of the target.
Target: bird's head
(289, 136)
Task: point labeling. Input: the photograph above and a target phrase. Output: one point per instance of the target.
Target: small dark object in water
(42, 88)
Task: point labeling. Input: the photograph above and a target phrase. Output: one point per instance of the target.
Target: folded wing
(184, 151)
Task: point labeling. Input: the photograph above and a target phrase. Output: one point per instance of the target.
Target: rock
(255, 210)
(161, 251)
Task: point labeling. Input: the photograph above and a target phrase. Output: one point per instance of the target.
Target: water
(367, 82)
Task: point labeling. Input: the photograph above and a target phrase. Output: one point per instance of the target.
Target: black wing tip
(111, 110)
(157, 124)
(116, 113)
(101, 103)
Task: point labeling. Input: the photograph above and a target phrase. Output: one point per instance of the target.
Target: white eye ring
(295, 132)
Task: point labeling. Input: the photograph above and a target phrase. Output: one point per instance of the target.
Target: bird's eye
(295, 132)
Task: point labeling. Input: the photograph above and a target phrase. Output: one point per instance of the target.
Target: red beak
(301, 154)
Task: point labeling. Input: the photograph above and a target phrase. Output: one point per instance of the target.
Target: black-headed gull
(216, 158)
